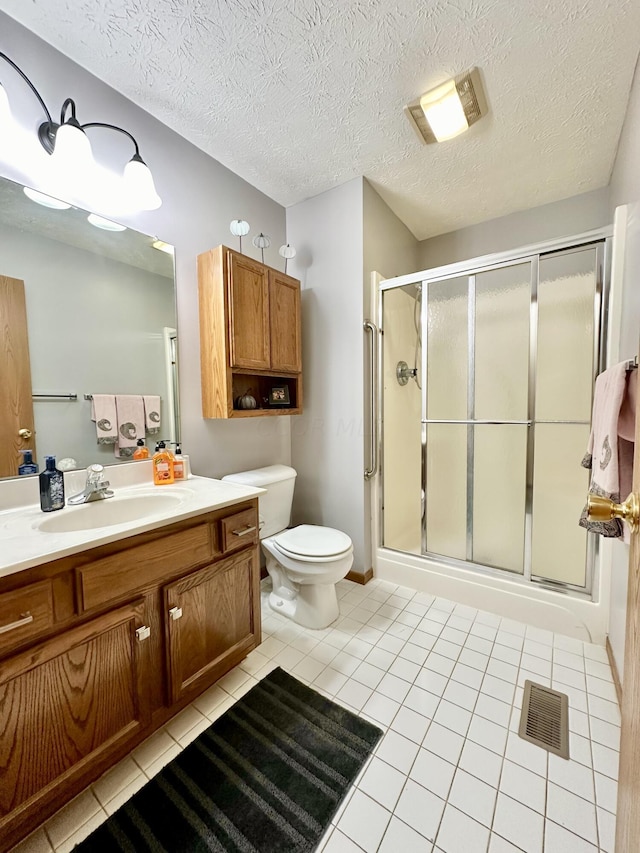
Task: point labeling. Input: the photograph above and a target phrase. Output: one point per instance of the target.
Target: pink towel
(130, 419)
(152, 414)
(103, 412)
(611, 458)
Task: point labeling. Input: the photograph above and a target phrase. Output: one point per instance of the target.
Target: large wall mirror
(100, 319)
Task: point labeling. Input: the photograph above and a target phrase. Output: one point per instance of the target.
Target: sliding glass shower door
(503, 363)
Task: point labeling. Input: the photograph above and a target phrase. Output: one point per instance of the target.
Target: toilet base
(311, 605)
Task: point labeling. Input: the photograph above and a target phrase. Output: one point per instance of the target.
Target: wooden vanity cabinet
(126, 635)
(250, 334)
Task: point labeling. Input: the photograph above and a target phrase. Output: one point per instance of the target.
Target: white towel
(152, 414)
(607, 456)
(130, 419)
(103, 412)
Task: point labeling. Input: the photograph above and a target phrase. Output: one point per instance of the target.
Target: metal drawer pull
(24, 619)
(143, 633)
(242, 531)
(175, 613)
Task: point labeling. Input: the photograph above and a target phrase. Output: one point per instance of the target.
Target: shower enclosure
(486, 375)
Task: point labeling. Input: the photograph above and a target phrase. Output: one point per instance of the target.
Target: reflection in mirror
(83, 311)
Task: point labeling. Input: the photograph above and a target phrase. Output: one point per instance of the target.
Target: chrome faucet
(96, 487)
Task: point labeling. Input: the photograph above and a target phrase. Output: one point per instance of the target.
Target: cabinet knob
(25, 433)
(175, 613)
(143, 633)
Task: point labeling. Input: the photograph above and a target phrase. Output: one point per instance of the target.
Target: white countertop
(23, 544)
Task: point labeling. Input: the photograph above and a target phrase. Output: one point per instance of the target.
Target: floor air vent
(545, 718)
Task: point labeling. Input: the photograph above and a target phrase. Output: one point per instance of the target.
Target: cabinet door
(248, 313)
(212, 619)
(68, 703)
(284, 307)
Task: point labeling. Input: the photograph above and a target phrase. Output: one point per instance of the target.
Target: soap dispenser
(141, 451)
(51, 486)
(179, 466)
(162, 465)
(28, 465)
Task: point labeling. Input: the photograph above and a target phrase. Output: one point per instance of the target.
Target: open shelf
(266, 389)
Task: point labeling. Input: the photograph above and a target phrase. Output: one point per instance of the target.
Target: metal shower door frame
(601, 240)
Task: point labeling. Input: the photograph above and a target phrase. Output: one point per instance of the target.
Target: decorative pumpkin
(246, 401)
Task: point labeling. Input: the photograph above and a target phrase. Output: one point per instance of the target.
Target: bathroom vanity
(107, 631)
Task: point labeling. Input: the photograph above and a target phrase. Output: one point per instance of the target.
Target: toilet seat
(313, 543)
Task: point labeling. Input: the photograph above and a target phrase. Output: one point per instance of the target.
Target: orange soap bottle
(141, 451)
(162, 465)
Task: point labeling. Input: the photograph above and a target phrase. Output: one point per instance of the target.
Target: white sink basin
(105, 513)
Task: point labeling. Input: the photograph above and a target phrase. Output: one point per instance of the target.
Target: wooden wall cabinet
(250, 335)
(123, 637)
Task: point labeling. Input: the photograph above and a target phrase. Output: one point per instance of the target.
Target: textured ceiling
(298, 96)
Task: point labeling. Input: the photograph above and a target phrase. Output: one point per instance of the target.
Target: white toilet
(305, 562)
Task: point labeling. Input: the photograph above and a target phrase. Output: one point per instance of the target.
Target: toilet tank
(275, 505)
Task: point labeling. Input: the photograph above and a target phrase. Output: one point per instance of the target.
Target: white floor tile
(488, 734)
(383, 783)
(339, 843)
(572, 776)
(481, 763)
(493, 709)
(420, 809)
(605, 760)
(497, 844)
(604, 710)
(524, 786)
(458, 832)
(72, 817)
(605, 733)
(460, 694)
(410, 724)
(526, 754)
(422, 701)
(308, 668)
(393, 687)
(330, 680)
(557, 839)
(37, 842)
(431, 681)
(518, 824)
(606, 792)
(381, 708)
(606, 830)
(572, 812)
(354, 694)
(400, 837)
(364, 821)
(398, 751)
(444, 742)
(124, 774)
(433, 773)
(473, 797)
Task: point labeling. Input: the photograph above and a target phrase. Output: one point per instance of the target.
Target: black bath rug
(267, 777)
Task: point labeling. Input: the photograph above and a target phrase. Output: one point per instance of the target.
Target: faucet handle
(95, 475)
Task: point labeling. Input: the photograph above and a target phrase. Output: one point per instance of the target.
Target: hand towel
(604, 448)
(152, 414)
(103, 412)
(130, 419)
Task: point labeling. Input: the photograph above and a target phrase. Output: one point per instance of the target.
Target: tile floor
(450, 775)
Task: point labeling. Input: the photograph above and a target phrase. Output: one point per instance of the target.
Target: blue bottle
(51, 486)
(28, 465)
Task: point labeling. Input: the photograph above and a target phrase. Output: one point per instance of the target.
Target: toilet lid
(311, 540)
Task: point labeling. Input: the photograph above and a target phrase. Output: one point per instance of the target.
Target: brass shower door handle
(602, 509)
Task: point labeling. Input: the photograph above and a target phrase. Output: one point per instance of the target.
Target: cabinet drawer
(238, 530)
(138, 567)
(25, 613)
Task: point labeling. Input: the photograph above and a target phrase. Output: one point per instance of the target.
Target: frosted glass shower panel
(502, 308)
(564, 377)
(499, 492)
(446, 490)
(447, 349)
(401, 437)
(560, 486)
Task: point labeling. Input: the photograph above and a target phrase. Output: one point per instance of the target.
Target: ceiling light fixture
(71, 156)
(449, 109)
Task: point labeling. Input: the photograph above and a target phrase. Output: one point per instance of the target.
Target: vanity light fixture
(70, 149)
(105, 224)
(449, 109)
(45, 200)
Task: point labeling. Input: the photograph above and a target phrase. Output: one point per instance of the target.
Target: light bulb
(139, 184)
(5, 110)
(443, 110)
(72, 156)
